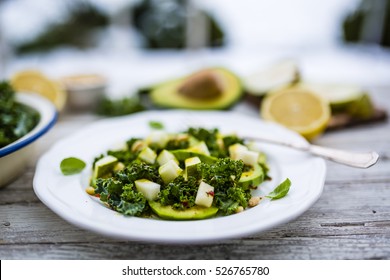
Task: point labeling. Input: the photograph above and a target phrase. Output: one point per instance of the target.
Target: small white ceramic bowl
(15, 156)
(84, 91)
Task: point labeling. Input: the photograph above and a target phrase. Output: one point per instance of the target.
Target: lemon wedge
(35, 81)
(350, 99)
(297, 109)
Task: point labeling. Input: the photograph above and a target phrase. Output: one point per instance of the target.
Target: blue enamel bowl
(15, 156)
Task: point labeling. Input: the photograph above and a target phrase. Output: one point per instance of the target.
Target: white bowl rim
(48, 117)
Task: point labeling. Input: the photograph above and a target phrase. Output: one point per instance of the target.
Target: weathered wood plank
(353, 247)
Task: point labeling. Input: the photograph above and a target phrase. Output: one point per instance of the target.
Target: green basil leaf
(156, 125)
(72, 165)
(281, 190)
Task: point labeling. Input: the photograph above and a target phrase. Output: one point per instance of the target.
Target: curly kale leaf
(224, 176)
(131, 209)
(124, 199)
(229, 200)
(132, 203)
(16, 120)
(7, 96)
(239, 195)
(180, 193)
(231, 140)
(139, 170)
(119, 191)
(177, 144)
(124, 156)
(101, 188)
(226, 206)
(210, 138)
(107, 188)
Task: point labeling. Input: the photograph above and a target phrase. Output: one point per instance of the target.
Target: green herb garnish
(280, 191)
(156, 125)
(72, 165)
(125, 106)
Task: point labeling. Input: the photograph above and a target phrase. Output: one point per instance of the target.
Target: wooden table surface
(351, 220)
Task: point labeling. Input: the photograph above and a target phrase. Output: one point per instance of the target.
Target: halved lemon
(35, 81)
(350, 99)
(298, 109)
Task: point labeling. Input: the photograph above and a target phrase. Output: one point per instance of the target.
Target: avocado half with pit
(208, 89)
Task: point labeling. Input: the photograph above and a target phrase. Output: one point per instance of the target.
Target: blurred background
(137, 43)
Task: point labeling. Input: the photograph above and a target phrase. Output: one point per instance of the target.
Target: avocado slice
(183, 154)
(104, 166)
(212, 88)
(193, 213)
(253, 177)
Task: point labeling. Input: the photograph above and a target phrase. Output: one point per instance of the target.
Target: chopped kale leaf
(16, 119)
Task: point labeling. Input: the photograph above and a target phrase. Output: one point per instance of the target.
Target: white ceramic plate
(66, 195)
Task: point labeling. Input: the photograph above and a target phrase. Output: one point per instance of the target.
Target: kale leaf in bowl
(24, 118)
(16, 119)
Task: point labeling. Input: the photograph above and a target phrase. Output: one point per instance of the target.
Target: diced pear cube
(200, 148)
(235, 150)
(169, 171)
(119, 167)
(164, 157)
(104, 166)
(138, 146)
(253, 146)
(220, 143)
(159, 138)
(248, 157)
(147, 155)
(205, 195)
(192, 141)
(191, 165)
(148, 188)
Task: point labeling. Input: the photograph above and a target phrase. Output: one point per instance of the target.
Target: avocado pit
(203, 85)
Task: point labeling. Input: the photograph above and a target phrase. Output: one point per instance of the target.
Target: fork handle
(354, 159)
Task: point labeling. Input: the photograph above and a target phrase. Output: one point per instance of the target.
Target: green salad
(16, 119)
(195, 174)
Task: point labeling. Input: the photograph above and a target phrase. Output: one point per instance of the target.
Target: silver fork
(353, 159)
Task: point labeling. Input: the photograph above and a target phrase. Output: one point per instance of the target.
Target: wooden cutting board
(342, 120)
